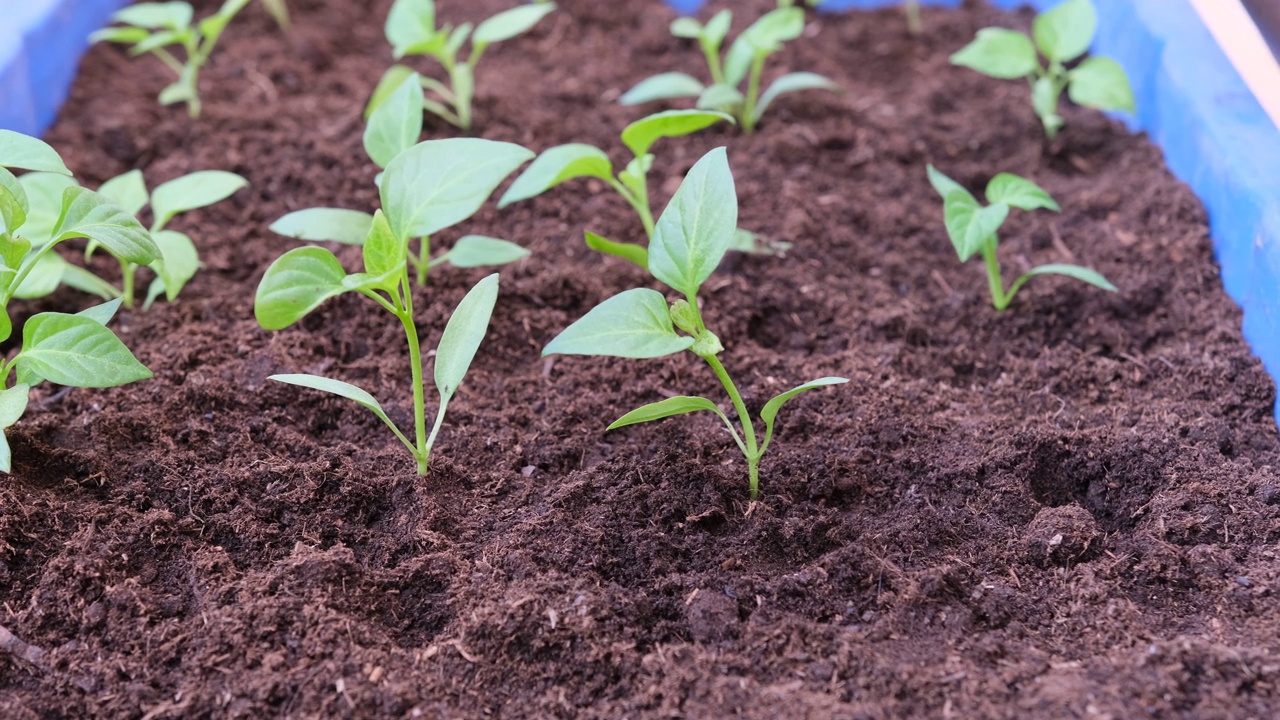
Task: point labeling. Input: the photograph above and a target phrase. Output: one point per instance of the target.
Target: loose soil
(1070, 509)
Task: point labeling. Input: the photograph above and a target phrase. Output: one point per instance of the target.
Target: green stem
(168, 59)
(431, 441)
(637, 203)
(128, 271)
(753, 94)
(998, 297)
(748, 428)
(712, 54)
(415, 364)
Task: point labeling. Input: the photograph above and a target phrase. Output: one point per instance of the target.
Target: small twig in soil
(23, 651)
(53, 399)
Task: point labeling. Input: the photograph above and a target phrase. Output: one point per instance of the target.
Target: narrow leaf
(172, 15)
(697, 228)
(664, 86)
(632, 324)
(1093, 277)
(334, 387)
(679, 405)
(626, 251)
(722, 98)
(295, 284)
(793, 82)
(769, 412)
(479, 251)
(556, 165)
(640, 135)
(27, 153)
(510, 23)
(463, 334)
(325, 225)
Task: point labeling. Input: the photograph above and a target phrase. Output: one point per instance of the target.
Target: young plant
(1062, 35)
(428, 187)
(153, 27)
(973, 229)
(279, 10)
(73, 350)
(690, 239)
(455, 177)
(411, 29)
(744, 61)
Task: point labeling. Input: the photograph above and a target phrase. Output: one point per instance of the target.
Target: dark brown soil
(1068, 510)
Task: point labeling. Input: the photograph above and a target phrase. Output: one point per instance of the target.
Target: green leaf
(1100, 83)
(87, 214)
(697, 228)
(626, 251)
(945, 185)
(129, 191)
(325, 225)
(1064, 32)
(27, 153)
(717, 28)
(773, 29)
(74, 276)
(1044, 100)
(410, 22)
(1019, 192)
(999, 53)
(1092, 277)
(172, 15)
(77, 351)
(43, 278)
(664, 86)
(439, 183)
(970, 225)
(179, 91)
(157, 40)
(456, 39)
(12, 252)
(13, 403)
(13, 202)
(44, 192)
(640, 135)
(395, 124)
(793, 82)
(479, 251)
(341, 389)
(769, 412)
(679, 405)
(295, 284)
(102, 314)
(391, 80)
(721, 97)
(189, 192)
(178, 263)
(632, 324)
(556, 165)
(463, 334)
(510, 23)
(686, 27)
(384, 252)
(126, 35)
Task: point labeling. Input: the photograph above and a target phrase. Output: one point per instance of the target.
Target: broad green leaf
(44, 192)
(439, 183)
(325, 225)
(14, 205)
(434, 45)
(463, 334)
(410, 22)
(697, 228)
(172, 15)
(1044, 100)
(969, 225)
(189, 192)
(686, 27)
(383, 251)
(1101, 83)
(178, 263)
(626, 251)
(12, 251)
(679, 405)
(1093, 277)
(1064, 32)
(389, 83)
(999, 53)
(395, 124)
(102, 314)
(129, 191)
(1019, 192)
(773, 29)
(717, 28)
(721, 97)
(480, 251)
(126, 35)
(13, 403)
(77, 351)
(945, 185)
(769, 412)
(632, 324)
(793, 82)
(27, 153)
(640, 135)
(510, 23)
(556, 165)
(87, 214)
(664, 86)
(45, 277)
(295, 284)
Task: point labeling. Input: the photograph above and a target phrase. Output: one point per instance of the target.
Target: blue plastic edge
(41, 42)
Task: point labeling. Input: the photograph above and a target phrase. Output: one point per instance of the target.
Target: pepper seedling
(973, 229)
(428, 187)
(411, 29)
(745, 60)
(457, 175)
(74, 350)
(153, 27)
(689, 240)
(1062, 34)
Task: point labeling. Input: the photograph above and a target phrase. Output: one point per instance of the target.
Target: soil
(1067, 510)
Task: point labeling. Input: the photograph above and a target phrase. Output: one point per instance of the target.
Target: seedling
(744, 61)
(1062, 35)
(973, 229)
(456, 176)
(74, 350)
(411, 29)
(279, 10)
(426, 188)
(689, 240)
(153, 27)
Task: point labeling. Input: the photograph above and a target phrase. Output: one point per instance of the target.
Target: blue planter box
(1191, 101)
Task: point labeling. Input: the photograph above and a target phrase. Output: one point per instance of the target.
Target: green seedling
(73, 350)
(690, 239)
(279, 10)
(411, 29)
(455, 177)
(1062, 34)
(973, 229)
(428, 187)
(745, 60)
(154, 27)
